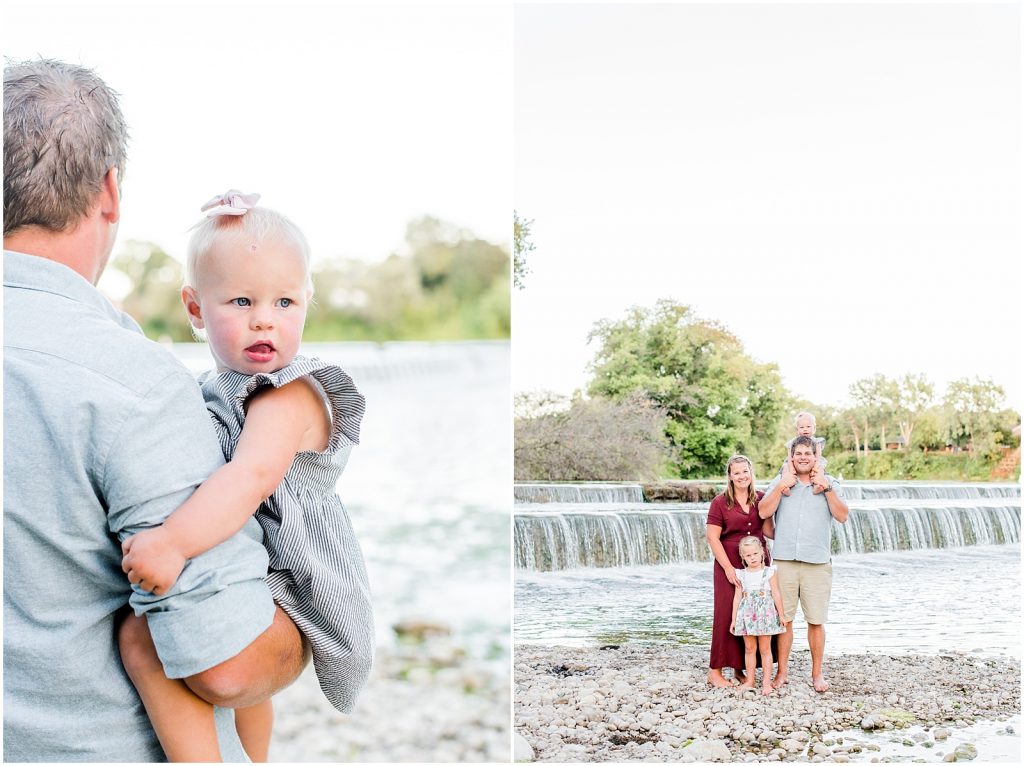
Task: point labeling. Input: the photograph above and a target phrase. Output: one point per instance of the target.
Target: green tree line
(452, 285)
(713, 400)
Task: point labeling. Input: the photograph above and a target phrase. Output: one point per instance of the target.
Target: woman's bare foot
(820, 684)
(780, 680)
(715, 678)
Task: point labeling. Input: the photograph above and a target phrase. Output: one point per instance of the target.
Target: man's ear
(110, 197)
(192, 307)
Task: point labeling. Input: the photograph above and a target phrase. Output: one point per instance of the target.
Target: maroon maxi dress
(727, 649)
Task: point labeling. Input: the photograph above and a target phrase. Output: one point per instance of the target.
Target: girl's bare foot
(715, 678)
(767, 689)
(780, 680)
(820, 684)
(746, 686)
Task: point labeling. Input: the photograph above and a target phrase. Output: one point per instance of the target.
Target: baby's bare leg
(254, 726)
(182, 721)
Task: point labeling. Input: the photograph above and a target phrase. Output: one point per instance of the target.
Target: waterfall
(578, 493)
(570, 531)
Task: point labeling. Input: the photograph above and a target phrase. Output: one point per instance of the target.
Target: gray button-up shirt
(105, 433)
(803, 524)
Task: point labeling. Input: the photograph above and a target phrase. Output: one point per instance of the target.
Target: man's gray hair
(63, 130)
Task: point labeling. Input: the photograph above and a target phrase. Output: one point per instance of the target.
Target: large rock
(521, 750)
(703, 750)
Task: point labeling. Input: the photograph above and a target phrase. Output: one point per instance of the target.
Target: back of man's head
(63, 130)
(805, 441)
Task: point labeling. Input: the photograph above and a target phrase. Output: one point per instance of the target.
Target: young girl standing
(286, 425)
(755, 611)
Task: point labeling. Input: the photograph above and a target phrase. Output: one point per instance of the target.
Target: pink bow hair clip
(231, 202)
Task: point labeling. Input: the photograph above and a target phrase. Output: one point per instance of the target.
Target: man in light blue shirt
(105, 433)
(802, 552)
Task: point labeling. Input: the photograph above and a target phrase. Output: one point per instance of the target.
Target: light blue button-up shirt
(105, 433)
(803, 524)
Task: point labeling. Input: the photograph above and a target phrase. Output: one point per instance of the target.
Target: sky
(838, 184)
(352, 119)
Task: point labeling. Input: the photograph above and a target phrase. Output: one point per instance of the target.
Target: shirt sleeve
(166, 447)
(715, 515)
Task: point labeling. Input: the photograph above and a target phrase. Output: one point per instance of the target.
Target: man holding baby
(803, 550)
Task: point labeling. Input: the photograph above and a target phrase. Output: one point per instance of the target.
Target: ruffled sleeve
(347, 405)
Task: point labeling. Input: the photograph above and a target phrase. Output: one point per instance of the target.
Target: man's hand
(788, 479)
(818, 479)
(152, 560)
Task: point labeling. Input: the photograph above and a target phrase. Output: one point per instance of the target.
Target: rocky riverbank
(653, 703)
(426, 701)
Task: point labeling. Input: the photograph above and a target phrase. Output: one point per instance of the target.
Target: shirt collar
(33, 272)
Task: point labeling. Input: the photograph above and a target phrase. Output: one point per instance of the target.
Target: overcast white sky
(860, 160)
(351, 119)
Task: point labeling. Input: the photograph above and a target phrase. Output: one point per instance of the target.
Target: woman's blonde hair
(747, 542)
(730, 491)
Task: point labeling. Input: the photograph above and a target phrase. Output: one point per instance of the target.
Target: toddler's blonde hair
(254, 225)
(747, 542)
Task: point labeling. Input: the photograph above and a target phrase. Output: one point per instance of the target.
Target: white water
(568, 533)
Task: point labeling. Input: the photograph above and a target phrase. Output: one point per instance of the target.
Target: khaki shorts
(810, 584)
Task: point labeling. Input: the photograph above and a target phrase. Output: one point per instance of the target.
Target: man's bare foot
(767, 689)
(820, 684)
(715, 678)
(780, 680)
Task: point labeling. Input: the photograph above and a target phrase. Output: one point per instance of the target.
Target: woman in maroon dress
(732, 516)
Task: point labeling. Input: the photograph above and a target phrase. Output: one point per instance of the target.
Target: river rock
(966, 752)
(707, 750)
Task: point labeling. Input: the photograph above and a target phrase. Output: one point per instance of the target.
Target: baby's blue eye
(242, 302)
(285, 302)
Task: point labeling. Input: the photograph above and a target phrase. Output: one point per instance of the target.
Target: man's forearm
(267, 665)
(837, 507)
(770, 502)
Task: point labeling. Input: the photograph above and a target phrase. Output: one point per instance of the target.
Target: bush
(593, 440)
(922, 466)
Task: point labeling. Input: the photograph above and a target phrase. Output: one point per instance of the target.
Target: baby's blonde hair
(805, 414)
(255, 224)
(747, 542)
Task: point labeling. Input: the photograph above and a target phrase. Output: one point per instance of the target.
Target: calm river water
(926, 601)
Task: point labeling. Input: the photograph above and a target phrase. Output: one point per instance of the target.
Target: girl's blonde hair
(256, 224)
(730, 491)
(747, 542)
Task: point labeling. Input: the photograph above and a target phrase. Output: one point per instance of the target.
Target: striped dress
(317, 575)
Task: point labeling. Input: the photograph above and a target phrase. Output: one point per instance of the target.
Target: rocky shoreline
(634, 703)
(426, 701)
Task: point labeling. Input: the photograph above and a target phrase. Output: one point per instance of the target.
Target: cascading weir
(564, 526)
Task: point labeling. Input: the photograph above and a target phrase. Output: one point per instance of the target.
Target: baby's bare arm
(276, 427)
